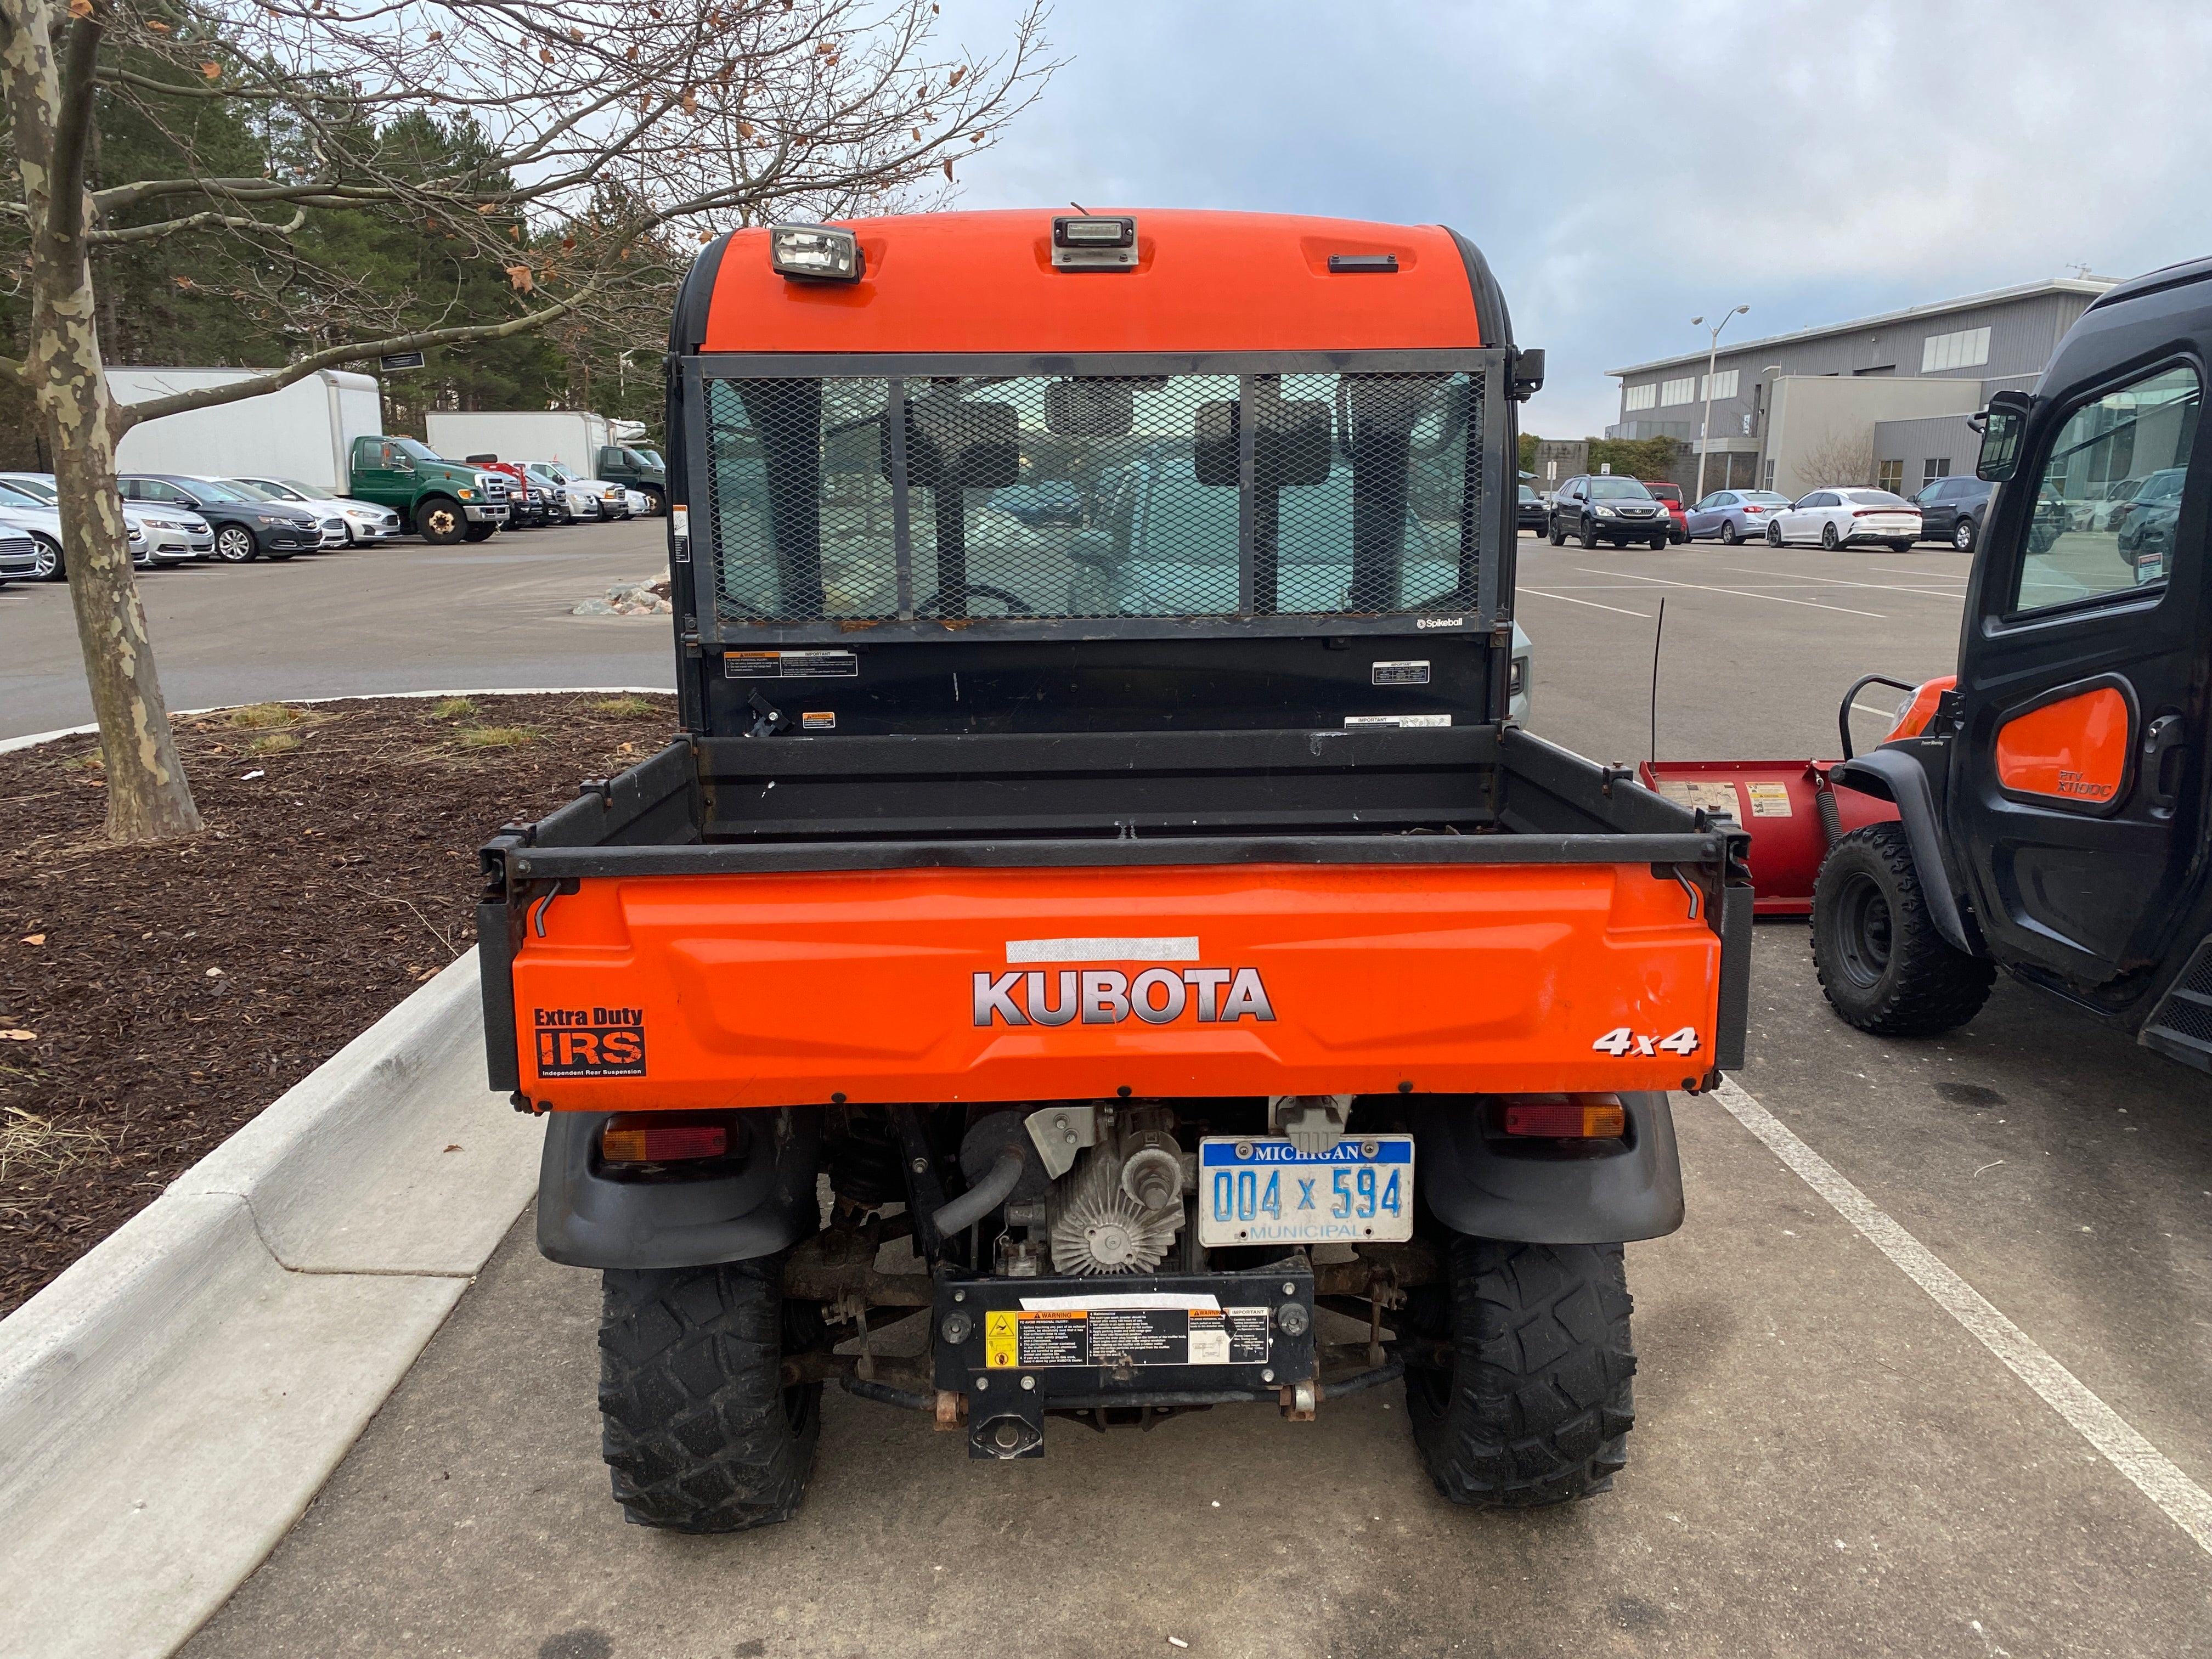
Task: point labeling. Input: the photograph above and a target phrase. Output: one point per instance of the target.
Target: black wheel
(656, 504)
(1555, 532)
(698, 1428)
(1774, 533)
(1589, 535)
(48, 555)
(1885, 968)
(1535, 1401)
(233, 543)
(1730, 536)
(1900, 547)
(439, 521)
(1962, 534)
(1828, 539)
(1659, 543)
(479, 532)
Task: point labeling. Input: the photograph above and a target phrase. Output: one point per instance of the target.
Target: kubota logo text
(1106, 996)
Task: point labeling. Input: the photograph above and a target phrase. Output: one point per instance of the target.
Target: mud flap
(1488, 1186)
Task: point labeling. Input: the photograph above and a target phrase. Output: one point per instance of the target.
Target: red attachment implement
(1789, 807)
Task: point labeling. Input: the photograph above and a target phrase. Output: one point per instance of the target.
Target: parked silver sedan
(1734, 516)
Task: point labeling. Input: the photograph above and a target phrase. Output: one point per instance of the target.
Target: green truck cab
(642, 469)
(441, 501)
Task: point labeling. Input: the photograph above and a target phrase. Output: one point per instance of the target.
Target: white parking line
(2187, 1505)
(1592, 604)
(1739, 593)
(1838, 581)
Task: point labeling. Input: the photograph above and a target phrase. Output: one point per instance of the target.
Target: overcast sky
(1626, 166)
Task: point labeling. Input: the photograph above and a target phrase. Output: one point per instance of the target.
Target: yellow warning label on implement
(1768, 800)
(1001, 1341)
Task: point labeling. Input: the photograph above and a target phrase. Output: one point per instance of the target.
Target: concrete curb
(172, 1402)
(32, 740)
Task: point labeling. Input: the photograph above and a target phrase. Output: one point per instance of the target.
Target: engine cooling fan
(1097, 1228)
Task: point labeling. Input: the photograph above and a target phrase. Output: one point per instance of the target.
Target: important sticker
(818, 720)
(1694, 793)
(1398, 719)
(1033, 1339)
(791, 664)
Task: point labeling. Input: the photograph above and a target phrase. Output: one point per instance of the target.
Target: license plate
(1262, 1190)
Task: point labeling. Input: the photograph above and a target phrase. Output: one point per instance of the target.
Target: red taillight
(1749, 508)
(1568, 1117)
(645, 1138)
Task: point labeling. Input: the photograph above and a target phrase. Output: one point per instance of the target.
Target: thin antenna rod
(1657, 634)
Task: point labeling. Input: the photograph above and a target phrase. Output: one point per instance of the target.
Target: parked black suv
(1951, 510)
(1533, 514)
(248, 525)
(1606, 508)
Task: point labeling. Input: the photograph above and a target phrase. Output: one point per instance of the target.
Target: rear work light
(1569, 1117)
(659, 1138)
(1094, 242)
(815, 254)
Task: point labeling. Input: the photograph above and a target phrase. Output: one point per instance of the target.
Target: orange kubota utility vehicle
(1095, 853)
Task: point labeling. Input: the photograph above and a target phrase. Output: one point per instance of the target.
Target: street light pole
(1712, 355)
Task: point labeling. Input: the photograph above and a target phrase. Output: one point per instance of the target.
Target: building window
(1679, 392)
(1768, 483)
(1722, 385)
(1640, 397)
(1890, 476)
(1939, 467)
(1968, 348)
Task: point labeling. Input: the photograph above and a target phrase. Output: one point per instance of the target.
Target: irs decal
(590, 1042)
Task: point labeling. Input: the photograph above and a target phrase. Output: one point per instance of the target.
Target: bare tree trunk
(49, 88)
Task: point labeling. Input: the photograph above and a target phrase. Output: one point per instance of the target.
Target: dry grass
(500, 736)
(627, 707)
(94, 762)
(259, 716)
(28, 1141)
(452, 708)
(275, 743)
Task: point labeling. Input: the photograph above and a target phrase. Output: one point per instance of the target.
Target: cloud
(1625, 167)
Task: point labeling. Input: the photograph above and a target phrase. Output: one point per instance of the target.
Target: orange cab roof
(1204, 282)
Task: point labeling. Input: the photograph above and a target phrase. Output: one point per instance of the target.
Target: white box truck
(590, 445)
(304, 431)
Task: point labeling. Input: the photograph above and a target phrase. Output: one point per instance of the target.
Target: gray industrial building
(1882, 400)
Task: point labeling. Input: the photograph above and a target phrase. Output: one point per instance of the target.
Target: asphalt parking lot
(402, 616)
(1829, 1460)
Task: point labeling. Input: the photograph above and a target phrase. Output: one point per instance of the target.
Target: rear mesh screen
(1069, 497)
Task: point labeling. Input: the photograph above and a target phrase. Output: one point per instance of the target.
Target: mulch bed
(172, 992)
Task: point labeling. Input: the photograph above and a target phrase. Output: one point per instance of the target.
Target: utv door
(2077, 798)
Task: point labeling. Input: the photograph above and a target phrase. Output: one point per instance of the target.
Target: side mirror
(1527, 374)
(955, 444)
(1291, 447)
(2002, 423)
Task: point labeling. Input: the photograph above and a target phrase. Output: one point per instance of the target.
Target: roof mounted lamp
(815, 254)
(1094, 241)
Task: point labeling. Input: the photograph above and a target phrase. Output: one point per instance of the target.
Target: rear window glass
(1051, 496)
(1875, 498)
(1665, 492)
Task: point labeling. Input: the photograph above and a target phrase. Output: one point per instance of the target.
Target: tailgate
(1053, 983)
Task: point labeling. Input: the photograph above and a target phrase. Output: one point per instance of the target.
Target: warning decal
(1124, 1335)
(1768, 800)
(1694, 793)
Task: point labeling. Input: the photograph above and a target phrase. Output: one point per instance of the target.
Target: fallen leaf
(40, 939)
(83, 8)
(18, 1037)
(213, 72)
(455, 1147)
(520, 277)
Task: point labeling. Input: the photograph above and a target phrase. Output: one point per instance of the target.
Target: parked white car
(1841, 516)
(361, 522)
(613, 499)
(156, 538)
(580, 504)
(637, 502)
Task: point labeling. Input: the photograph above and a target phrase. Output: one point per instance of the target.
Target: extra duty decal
(590, 1042)
(791, 665)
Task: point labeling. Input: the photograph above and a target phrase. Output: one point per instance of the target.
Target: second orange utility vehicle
(1099, 861)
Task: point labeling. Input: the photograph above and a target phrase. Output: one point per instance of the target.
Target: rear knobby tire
(699, 1429)
(1536, 1405)
(1885, 968)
